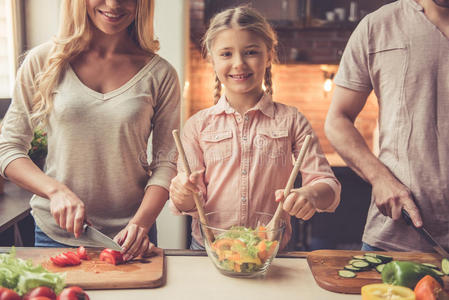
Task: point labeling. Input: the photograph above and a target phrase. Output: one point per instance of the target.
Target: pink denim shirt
(247, 158)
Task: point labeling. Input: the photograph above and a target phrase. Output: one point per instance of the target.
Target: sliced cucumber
(361, 264)
(445, 266)
(359, 257)
(370, 254)
(374, 261)
(353, 260)
(432, 266)
(346, 274)
(384, 258)
(352, 268)
(380, 267)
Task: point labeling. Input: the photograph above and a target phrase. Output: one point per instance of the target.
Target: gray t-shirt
(400, 54)
(98, 143)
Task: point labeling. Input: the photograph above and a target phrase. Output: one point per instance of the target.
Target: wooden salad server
(273, 224)
(209, 234)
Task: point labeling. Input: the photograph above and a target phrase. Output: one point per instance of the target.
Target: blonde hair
(74, 36)
(246, 18)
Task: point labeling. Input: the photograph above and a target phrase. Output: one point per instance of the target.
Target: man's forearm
(351, 146)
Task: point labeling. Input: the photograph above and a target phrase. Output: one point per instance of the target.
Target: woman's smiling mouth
(110, 16)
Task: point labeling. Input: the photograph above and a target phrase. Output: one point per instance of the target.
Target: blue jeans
(43, 240)
(367, 247)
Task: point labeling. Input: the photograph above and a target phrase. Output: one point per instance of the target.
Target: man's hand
(391, 196)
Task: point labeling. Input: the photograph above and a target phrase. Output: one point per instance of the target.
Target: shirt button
(246, 118)
(244, 138)
(244, 172)
(243, 199)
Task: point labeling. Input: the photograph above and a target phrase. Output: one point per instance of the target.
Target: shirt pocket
(388, 67)
(389, 62)
(217, 146)
(272, 143)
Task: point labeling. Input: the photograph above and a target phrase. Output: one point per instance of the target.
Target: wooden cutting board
(96, 274)
(325, 264)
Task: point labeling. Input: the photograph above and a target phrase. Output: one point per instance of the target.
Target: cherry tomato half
(41, 291)
(111, 256)
(73, 293)
(7, 294)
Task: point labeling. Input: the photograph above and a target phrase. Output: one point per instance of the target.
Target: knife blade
(424, 233)
(97, 236)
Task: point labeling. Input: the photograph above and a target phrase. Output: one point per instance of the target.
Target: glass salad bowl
(241, 249)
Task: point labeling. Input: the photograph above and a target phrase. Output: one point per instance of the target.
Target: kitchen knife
(97, 236)
(423, 232)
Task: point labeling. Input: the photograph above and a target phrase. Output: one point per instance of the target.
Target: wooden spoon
(273, 224)
(209, 234)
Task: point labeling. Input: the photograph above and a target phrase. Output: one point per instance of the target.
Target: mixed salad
(243, 250)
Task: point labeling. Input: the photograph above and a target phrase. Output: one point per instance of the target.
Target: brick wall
(296, 84)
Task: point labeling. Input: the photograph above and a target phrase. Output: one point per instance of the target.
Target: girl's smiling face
(240, 59)
(111, 16)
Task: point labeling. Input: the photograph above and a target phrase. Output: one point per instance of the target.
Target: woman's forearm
(25, 173)
(152, 204)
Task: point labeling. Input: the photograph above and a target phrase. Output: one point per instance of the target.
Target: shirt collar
(265, 105)
(414, 4)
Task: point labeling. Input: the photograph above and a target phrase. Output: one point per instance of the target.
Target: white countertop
(190, 277)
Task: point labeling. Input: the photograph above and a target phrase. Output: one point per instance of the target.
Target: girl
(241, 148)
(99, 90)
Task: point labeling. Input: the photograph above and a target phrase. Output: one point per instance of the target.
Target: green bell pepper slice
(406, 273)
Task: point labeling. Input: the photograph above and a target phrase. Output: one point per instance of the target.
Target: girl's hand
(134, 241)
(299, 202)
(67, 210)
(182, 189)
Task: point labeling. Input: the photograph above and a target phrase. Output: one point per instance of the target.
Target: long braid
(267, 81)
(217, 90)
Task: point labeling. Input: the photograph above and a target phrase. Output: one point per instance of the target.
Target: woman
(99, 90)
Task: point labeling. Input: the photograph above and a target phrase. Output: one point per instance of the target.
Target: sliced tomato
(57, 260)
(39, 292)
(82, 253)
(66, 259)
(73, 258)
(111, 256)
(73, 293)
(7, 294)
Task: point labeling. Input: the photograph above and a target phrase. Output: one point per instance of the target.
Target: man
(400, 51)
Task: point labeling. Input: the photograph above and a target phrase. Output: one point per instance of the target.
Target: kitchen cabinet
(309, 31)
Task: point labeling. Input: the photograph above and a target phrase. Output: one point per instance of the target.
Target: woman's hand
(299, 202)
(67, 210)
(134, 241)
(182, 189)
